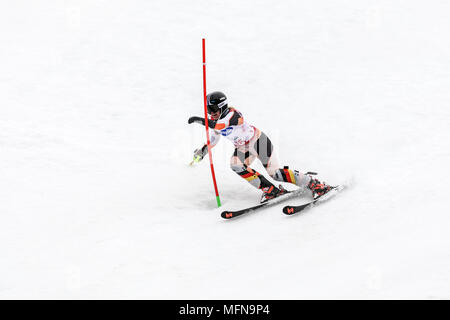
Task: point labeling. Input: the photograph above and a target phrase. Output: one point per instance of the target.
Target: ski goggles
(212, 108)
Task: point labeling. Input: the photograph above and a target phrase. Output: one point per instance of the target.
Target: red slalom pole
(206, 124)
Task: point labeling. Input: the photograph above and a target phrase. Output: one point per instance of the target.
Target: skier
(251, 143)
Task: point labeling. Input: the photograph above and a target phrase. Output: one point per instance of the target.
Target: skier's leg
(264, 150)
(292, 176)
(304, 181)
(240, 162)
(267, 156)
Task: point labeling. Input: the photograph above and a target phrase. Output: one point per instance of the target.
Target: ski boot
(318, 188)
(272, 192)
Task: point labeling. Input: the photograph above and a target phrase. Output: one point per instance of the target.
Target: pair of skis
(289, 210)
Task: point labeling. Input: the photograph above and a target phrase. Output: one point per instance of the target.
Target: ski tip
(288, 210)
(227, 215)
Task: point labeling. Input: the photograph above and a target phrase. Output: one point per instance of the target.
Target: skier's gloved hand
(200, 153)
(199, 120)
(196, 119)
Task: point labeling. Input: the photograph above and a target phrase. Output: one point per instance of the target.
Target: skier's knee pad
(252, 176)
(291, 176)
(284, 175)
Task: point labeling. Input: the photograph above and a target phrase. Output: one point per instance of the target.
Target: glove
(196, 119)
(200, 153)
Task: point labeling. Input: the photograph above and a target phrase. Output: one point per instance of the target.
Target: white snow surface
(97, 200)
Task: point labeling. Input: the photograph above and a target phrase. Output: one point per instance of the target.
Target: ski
(286, 196)
(290, 210)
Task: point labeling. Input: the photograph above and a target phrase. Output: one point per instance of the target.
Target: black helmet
(216, 101)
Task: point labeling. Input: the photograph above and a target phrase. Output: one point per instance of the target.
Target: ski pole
(206, 124)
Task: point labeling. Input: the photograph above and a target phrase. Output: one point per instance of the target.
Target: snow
(97, 199)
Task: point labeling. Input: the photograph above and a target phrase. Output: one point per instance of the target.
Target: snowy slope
(97, 200)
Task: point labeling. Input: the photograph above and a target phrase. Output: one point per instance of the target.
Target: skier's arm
(200, 153)
(199, 120)
(214, 138)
